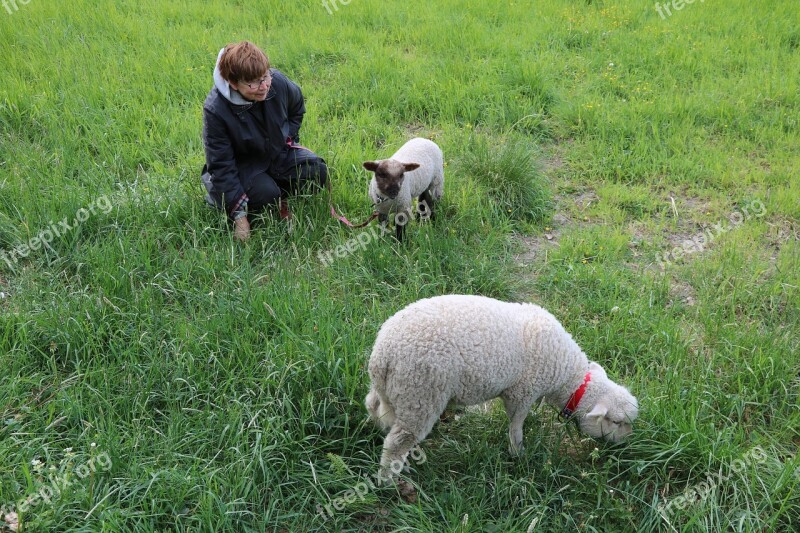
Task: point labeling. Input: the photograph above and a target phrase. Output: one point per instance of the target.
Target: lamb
(469, 349)
(415, 170)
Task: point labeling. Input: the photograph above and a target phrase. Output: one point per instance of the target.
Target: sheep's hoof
(516, 451)
(407, 491)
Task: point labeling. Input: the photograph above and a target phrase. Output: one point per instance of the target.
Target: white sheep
(469, 349)
(415, 170)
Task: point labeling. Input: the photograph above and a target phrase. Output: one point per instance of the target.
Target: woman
(251, 131)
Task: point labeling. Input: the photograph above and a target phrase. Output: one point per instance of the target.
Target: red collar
(575, 399)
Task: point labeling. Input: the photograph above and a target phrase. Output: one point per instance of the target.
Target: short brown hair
(243, 61)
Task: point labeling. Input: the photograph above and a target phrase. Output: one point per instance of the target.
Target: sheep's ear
(372, 166)
(408, 167)
(597, 411)
(597, 370)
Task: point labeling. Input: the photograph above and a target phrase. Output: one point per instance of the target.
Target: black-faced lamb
(416, 170)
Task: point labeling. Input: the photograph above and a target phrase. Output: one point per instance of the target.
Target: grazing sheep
(470, 349)
(415, 170)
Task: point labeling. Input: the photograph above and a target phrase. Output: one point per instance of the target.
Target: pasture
(633, 171)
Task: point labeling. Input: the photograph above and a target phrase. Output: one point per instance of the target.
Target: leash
(334, 214)
(342, 218)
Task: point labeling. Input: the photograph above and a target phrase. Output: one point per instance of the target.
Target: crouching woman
(251, 135)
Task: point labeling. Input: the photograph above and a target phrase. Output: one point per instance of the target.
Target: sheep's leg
(517, 412)
(396, 446)
(409, 428)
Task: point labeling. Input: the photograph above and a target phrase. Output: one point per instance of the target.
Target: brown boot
(284, 210)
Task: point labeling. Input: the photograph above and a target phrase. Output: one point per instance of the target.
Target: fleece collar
(575, 399)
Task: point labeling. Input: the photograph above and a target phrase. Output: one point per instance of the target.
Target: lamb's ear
(408, 167)
(599, 410)
(372, 166)
(597, 370)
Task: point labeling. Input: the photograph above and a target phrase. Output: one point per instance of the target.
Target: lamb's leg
(517, 412)
(425, 206)
(400, 221)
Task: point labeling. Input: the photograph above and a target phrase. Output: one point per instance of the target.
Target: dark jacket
(244, 139)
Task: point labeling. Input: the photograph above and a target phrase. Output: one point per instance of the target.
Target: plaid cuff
(240, 209)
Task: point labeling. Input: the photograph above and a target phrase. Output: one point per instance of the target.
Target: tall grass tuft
(509, 172)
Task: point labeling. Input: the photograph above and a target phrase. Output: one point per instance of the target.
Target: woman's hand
(241, 229)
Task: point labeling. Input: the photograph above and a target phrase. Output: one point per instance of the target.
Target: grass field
(634, 173)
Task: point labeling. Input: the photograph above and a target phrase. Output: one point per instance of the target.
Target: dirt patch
(781, 230)
(682, 292)
(585, 199)
(552, 163)
(534, 246)
(568, 209)
(564, 217)
(682, 204)
(417, 129)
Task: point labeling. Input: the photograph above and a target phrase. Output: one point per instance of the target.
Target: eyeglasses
(262, 81)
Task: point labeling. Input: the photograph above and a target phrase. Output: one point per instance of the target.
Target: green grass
(226, 381)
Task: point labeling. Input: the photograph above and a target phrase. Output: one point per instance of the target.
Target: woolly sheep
(470, 349)
(415, 170)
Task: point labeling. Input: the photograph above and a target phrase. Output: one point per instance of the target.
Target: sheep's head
(389, 174)
(611, 408)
